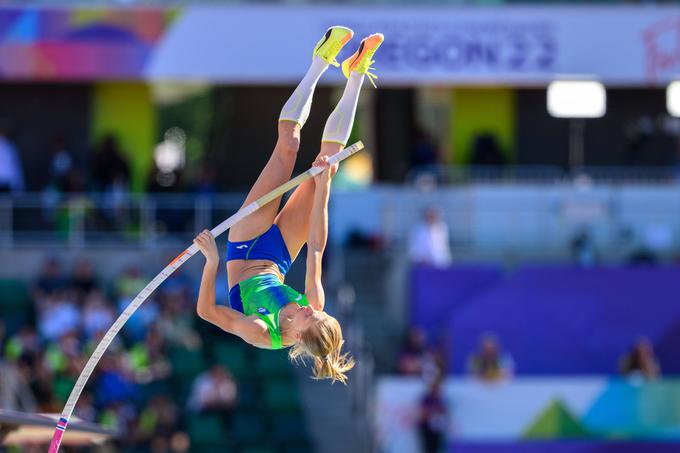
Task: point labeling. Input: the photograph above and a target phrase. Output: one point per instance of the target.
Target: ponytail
(322, 344)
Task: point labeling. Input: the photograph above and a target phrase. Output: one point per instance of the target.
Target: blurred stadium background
(506, 271)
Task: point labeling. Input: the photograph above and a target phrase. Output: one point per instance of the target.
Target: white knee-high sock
(297, 107)
(339, 124)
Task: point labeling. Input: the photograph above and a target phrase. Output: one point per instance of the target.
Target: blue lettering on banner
(464, 48)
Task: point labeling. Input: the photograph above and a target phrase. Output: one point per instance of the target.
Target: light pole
(673, 99)
(576, 100)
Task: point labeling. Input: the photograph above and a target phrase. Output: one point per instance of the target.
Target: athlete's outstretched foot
(362, 59)
(329, 46)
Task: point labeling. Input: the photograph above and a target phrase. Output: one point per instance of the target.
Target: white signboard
(478, 411)
(618, 45)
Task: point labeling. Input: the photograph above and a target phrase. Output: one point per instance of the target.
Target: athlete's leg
(293, 220)
(276, 172)
(293, 116)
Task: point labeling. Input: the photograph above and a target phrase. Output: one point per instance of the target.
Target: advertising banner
(526, 409)
(424, 45)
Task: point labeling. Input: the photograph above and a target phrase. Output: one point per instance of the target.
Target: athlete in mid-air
(264, 312)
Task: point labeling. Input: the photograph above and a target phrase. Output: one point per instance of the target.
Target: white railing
(519, 174)
(78, 219)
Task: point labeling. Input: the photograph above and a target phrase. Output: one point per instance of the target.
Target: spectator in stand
(83, 280)
(129, 285)
(11, 174)
(433, 419)
(61, 164)
(413, 354)
(429, 241)
(23, 343)
(109, 168)
(121, 416)
(50, 279)
(111, 175)
(57, 315)
(156, 424)
(424, 154)
(641, 361)
(98, 314)
(176, 323)
(58, 355)
(148, 360)
(213, 390)
(114, 382)
(14, 393)
(486, 151)
(489, 363)
(85, 409)
(180, 286)
(416, 358)
(42, 383)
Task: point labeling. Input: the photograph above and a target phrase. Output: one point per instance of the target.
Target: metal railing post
(148, 224)
(74, 225)
(202, 209)
(7, 220)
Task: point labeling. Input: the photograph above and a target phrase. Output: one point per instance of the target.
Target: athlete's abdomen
(239, 270)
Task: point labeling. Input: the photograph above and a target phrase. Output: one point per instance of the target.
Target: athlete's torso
(239, 270)
(265, 296)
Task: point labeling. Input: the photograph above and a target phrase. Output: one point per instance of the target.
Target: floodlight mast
(576, 100)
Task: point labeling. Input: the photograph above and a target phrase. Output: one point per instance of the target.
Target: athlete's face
(305, 317)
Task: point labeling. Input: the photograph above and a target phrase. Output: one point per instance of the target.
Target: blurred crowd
(489, 363)
(131, 387)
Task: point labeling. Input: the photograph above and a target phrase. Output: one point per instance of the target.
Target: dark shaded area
(37, 113)
(395, 132)
(632, 132)
(245, 130)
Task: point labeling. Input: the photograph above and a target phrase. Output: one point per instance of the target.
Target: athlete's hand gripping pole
(165, 273)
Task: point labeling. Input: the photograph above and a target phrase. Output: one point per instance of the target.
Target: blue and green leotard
(264, 295)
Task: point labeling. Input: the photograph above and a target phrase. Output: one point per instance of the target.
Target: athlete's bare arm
(318, 235)
(250, 329)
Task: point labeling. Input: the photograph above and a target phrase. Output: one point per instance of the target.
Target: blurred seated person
(109, 166)
(424, 151)
(640, 362)
(486, 151)
(433, 418)
(97, 314)
(11, 172)
(416, 358)
(83, 279)
(412, 357)
(429, 241)
(213, 390)
(57, 315)
(489, 363)
(61, 163)
(50, 279)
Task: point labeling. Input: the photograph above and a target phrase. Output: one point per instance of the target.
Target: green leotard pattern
(265, 296)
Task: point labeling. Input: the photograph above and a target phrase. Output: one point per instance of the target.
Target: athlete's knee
(288, 145)
(289, 137)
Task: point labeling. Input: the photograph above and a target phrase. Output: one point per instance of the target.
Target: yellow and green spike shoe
(362, 59)
(329, 46)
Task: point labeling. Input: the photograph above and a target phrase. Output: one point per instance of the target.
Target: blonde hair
(322, 343)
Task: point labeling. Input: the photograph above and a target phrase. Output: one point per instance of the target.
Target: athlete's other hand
(328, 170)
(206, 244)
